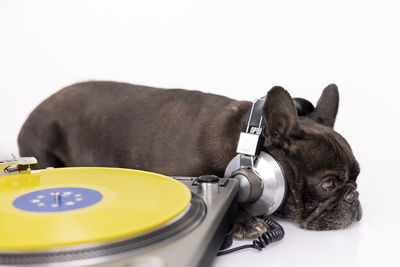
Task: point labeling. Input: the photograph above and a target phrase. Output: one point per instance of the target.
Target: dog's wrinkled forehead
(327, 152)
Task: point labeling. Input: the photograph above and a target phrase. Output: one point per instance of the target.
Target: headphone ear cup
(303, 106)
(254, 182)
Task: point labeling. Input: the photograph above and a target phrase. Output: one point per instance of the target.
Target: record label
(58, 199)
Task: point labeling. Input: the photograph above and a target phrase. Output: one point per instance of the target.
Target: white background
(239, 49)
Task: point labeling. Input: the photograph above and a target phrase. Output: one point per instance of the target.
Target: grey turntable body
(191, 239)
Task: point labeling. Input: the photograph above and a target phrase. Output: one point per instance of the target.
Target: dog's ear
(327, 106)
(280, 115)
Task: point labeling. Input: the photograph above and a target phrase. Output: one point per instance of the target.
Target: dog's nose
(350, 196)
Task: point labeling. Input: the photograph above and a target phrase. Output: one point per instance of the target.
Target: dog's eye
(329, 184)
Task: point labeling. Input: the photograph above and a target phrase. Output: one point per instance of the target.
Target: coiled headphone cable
(275, 233)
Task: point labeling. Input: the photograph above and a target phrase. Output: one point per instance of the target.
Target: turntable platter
(73, 206)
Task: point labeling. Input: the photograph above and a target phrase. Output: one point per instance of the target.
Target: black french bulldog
(190, 133)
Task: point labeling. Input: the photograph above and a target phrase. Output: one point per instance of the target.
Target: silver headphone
(261, 178)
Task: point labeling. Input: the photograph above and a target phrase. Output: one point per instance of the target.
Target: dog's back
(112, 124)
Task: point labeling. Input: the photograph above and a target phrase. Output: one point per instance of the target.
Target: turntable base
(111, 217)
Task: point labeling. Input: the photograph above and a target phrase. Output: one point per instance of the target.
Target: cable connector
(18, 164)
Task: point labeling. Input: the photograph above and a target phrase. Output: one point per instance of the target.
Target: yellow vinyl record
(69, 206)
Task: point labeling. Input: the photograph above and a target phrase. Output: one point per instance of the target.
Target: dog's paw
(249, 227)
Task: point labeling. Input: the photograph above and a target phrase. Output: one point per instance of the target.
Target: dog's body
(189, 133)
(173, 132)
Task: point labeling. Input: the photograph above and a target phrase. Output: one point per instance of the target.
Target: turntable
(111, 217)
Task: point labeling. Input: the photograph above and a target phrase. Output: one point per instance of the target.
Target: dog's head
(318, 163)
